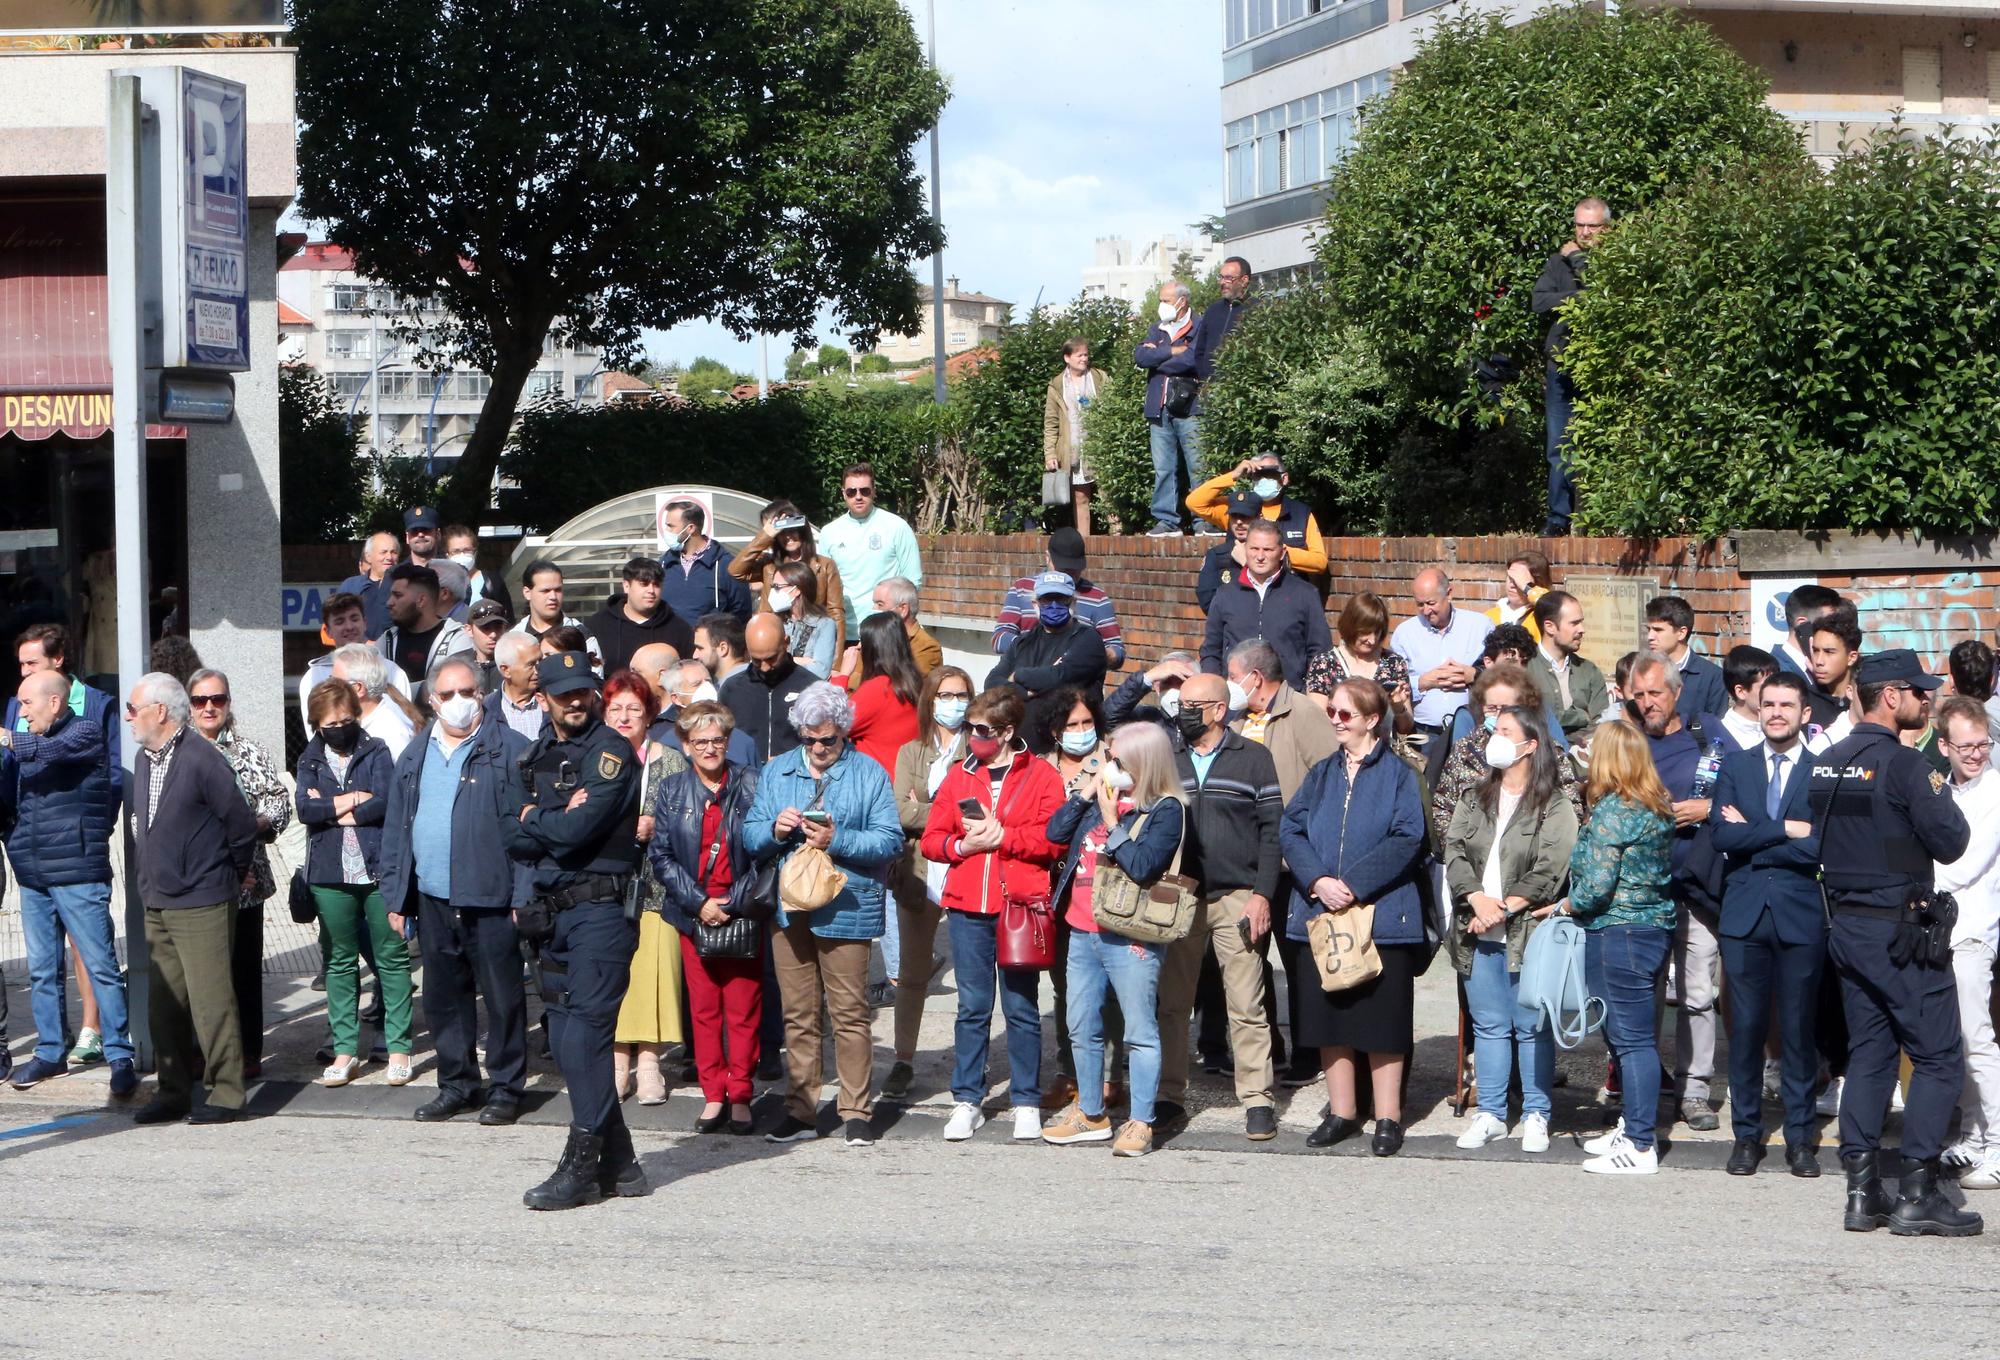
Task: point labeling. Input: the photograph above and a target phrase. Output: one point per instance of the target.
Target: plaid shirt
(1019, 613)
(162, 758)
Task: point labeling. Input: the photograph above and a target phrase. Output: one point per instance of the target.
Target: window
(346, 344)
(1243, 20)
(1295, 144)
(348, 297)
(1923, 80)
(349, 385)
(540, 384)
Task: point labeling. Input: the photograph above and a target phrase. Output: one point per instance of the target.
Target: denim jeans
(83, 912)
(1100, 959)
(1560, 397)
(1174, 439)
(975, 948)
(1499, 1022)
(1623, 965)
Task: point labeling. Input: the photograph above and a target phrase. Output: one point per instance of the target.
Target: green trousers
(191, 1002)
(344, 912)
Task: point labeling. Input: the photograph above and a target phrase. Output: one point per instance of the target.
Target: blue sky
(1069, 120)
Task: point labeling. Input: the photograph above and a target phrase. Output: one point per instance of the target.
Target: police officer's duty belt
(595, 888)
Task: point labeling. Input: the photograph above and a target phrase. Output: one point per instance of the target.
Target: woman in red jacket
(1002, 852)
(885, 704)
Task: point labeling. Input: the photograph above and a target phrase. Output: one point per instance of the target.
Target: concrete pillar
(233, 555)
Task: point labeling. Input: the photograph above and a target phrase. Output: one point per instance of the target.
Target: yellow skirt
(651, 1013)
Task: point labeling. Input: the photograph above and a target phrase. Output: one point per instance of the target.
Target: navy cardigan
(1378, 852)
(370, 769)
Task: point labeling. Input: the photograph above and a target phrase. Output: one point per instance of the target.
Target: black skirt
(1375, 1018)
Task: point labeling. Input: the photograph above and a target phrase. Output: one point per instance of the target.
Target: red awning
(55, 348)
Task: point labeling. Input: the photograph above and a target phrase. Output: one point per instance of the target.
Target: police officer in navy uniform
(578, 832)
(1883, 817)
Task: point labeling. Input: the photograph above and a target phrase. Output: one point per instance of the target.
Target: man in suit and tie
(1772, 925)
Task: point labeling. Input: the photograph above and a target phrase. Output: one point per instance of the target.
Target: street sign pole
(127, 228)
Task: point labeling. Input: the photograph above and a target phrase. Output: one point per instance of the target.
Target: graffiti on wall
(1928, 619)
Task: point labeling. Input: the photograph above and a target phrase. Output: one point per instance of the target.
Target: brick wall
(1152, 580)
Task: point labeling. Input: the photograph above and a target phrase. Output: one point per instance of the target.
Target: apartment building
(344, 325)
(1122, 270)
(1297, 73)
(970, 320)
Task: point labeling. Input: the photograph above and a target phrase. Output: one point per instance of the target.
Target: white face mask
(1170, 702)
(459, 711)
(1168, 312)
(464, 559)
(1239, 698)
(782, 600)
(672, 542)
(949, 713)
(1114, 777)
(704, 693)
(1501, 752)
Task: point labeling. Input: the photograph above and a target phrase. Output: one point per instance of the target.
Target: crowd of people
(738, 811)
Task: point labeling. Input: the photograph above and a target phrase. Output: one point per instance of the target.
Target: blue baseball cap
(1055, 583)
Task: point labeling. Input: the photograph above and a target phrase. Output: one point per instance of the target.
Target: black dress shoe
(770, 1069)
(1743, 1158)
(1260, 1123)
(445, 1105)
(712, 1123)
(743, 1128)
(1332, 1129)
(1803, 1162)
(1388, 1138)
(160, 1112)
(1168, 1115)
(500, 1110)
(213, 1114)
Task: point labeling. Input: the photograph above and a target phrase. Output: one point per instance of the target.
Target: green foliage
(709, 379)
(1466, 175)
(398, 481)
(566, 458)
(875, 363)
(1005, 400)
(617, 165)
(317, 463)
(1799, 351)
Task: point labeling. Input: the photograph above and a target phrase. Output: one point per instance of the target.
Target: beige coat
(1299, 737)
(1057, 447)
(754, 565)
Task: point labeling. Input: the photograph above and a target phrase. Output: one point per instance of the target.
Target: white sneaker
(1896, 1098)
(1485, 1128)
(1966, 1152)
(1983, 1175)
(966, 1120)
(1773, 1080)
(1829, 1097)
(1027, 1124)
(1604, 1142)
(1625, 1160)
(1534, 1133)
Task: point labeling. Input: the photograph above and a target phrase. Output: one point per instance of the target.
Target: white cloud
(1069, 120)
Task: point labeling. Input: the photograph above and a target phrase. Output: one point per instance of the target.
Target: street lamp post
(937, 260)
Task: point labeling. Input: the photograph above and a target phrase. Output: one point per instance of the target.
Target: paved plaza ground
(337, 1226)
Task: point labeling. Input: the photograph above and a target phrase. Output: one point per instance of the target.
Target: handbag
(737, 938)
(304, 910)
(1343, 947)
(1159, 912)
(1552, 981)
(1055, 487)
(1179, 397)
(1027, 933)
(808, 879)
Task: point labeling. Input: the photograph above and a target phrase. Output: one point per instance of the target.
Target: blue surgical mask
(671, 544)
(1489, 722)
(1265, 488)
(1055, 615)
(1080, 743)
(950, 712)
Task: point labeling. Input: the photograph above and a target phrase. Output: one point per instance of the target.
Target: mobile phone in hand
(971, 809)
(1243, 929)
(817, 816)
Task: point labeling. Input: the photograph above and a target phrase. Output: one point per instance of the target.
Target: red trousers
(726, 1003)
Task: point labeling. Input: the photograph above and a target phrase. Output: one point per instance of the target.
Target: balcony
(1328, 28)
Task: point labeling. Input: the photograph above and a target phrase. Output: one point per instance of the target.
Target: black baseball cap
(1245, 505)
(486, 611)
(564, 672)
(1066, 551)
(1897, 665)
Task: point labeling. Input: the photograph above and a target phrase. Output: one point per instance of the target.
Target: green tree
(615, 165)
(1799, 351)
(832, 360)
(318, 460)
(709, 379)
(1462, 183)
(798, 365)
(875, 363)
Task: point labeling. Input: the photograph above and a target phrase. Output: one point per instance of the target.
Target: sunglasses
(1344, 715)
(981, 730)
(857, 491)
(208, 700)
(833, 740)
(469, 692)
(133, 712)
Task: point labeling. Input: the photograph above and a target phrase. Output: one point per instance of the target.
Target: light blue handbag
(1552, 982)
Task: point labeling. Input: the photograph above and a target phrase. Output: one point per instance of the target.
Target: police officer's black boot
(574, 1181)
(1868, 1203)
(618, 1169)
(1922, 1209)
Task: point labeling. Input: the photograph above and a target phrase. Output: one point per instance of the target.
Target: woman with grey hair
(214, 716)
(828, 796)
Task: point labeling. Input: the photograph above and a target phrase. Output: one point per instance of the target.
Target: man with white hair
(898, 595)
(515, 702)
(1171, 351)
(361, 668)
(195, 841)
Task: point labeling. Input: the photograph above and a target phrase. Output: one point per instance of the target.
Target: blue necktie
(1774, 798)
